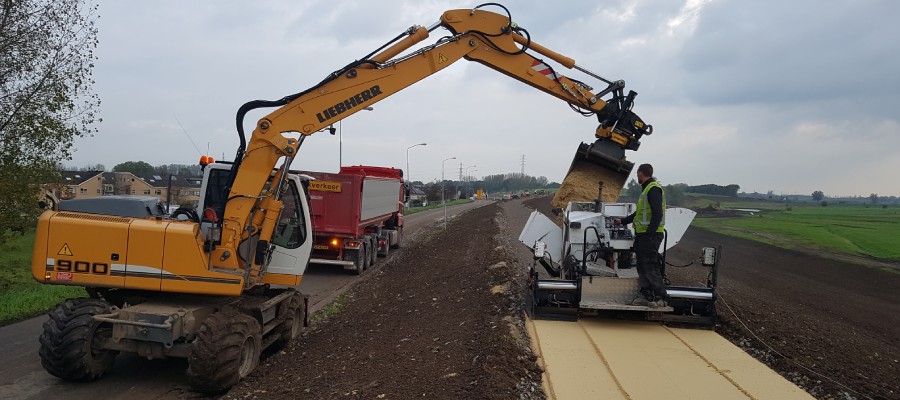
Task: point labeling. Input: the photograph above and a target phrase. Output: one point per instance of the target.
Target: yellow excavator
(218, 284)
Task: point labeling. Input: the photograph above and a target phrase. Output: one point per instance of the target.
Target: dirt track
(442, 321)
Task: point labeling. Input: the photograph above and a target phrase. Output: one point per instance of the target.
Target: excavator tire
(293, 323)
(226, 350)
(70, 344)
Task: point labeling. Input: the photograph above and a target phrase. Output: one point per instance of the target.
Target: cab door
(293, 237)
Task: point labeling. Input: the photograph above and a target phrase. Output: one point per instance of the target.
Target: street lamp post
(408, 175)
(341, 140)
(443, 202)
(468, 180)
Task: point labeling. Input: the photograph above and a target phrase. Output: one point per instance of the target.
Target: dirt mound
(442, 321)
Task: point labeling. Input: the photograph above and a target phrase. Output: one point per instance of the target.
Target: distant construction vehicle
(218, 284)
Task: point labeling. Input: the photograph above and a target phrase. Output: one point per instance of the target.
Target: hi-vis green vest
(643, 213)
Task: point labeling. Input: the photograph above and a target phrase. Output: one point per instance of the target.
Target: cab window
(291, 230)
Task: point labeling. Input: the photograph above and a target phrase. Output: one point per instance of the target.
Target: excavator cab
(291, 240)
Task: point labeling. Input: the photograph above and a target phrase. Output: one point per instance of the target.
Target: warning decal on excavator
(325, 186)
(65, 251)
(441, 58)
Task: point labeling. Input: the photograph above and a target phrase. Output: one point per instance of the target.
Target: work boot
(647, 293)
(640, 301)
(659, 301)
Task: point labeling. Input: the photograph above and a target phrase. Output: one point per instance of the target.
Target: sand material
(580, 184)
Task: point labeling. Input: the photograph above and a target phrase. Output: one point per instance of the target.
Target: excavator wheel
(293, 323)
(71, 341)
(226, 350)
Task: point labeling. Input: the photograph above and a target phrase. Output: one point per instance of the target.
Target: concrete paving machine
(590, 263)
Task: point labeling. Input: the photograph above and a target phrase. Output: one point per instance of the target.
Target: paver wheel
(293, 324)
(71, 344)
(227, 349)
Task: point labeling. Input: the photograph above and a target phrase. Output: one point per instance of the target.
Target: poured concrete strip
(751, 374)
(572, 369)
(652, 363)
(608, 359)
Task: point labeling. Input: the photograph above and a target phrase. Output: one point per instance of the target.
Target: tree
(675, 194)
(818, 195)
(139, 168)
(874, 198)
(46, 99)
(631, 192)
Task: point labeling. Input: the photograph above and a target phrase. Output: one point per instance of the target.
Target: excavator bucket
(603, 161)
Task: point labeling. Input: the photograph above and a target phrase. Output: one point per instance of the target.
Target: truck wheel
(387, 247)
(359, 259)
(71, 341)
(227, 349)
(373, 251)
(293, 324)
(399, 238)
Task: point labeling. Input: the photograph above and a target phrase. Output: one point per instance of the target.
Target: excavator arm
(492, 39)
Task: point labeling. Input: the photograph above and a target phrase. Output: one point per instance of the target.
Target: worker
(649, 221)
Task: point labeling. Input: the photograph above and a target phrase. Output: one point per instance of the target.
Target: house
(185, 188)
(79, 185)
(87, 184)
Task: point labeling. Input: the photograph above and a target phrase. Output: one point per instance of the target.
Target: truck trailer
(357, 215)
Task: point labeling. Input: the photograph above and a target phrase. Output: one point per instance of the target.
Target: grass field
(414, 210)
(854, 229)
(20, 295)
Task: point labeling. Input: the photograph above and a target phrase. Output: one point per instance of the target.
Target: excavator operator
(649, 221)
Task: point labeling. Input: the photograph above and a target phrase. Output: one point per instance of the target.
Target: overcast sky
(789, 96)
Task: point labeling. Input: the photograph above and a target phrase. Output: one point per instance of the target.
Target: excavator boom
(485, 37)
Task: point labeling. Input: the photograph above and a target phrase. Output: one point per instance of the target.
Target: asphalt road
(135, 378)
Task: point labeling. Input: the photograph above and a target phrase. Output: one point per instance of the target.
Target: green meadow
(872, 230)
(20, 295)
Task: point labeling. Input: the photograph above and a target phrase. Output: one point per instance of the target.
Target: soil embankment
(442, 321)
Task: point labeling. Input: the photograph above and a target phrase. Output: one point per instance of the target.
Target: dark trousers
(649, 264)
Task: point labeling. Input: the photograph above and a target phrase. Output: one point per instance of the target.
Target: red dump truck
(357, 215)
